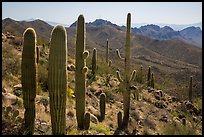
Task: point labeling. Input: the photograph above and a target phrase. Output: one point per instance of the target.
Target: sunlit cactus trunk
(57, 79)
(80, 72)
(128, 77)
(29, 78)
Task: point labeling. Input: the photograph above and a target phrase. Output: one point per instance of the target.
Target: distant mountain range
(192, 34)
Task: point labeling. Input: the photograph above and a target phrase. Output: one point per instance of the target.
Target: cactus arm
(85, 70)
(85, 54)
(118, 76)
(132, 77)
(87, 118)
(71, 67)
(118, 54)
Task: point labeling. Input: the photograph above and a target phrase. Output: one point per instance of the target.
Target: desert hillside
(161, 108)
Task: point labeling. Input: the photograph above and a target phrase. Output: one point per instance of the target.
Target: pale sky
(116, 12)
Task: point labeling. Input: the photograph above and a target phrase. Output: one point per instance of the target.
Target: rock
(70, 114)
(136, 116)
(164, 118)
(196, 111)
(9, 98)
(160, 104)
(98, 91)
(4, 90)
(92, 110)
(17, 87)
(183, 120)
(150, 90)
(174, 99)
(4, 37)
(157, 97)
(17, 92)
(93, 118)
(195, 119)
(181, 116)
(189, 105)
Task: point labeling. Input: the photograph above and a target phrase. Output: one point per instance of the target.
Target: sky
(116, 12)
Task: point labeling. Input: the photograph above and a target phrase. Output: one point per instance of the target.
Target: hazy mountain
(52, 23)
(193, 35)
(177, 58)
(176, 27)
(97, 35)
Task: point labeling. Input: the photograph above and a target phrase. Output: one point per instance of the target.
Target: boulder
(17, 87)
(9, 98)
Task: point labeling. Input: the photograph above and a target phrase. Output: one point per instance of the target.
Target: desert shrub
(11, 61)
(173, 129)
(43, 76)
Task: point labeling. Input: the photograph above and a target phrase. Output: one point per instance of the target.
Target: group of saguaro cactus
(125, 83)
(57, 78)
(29, 78)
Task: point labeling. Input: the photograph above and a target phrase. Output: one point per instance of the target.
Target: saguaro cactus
(94, 63)
(149, 76)
(125, 84)
(103, 105)
(80, 72)
(29, 77)
(107, 52)
(152, 81)
(119, 117)
(190, 89)
(57, 79)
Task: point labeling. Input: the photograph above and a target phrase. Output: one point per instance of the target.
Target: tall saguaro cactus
(29, 77)
(125, 84)
(57, 79)
(80, 72)
(190, 89)
(149, 76)
(107, 52)
(152, 81)
(94, 63)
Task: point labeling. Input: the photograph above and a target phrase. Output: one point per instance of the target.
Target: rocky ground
(155, 113)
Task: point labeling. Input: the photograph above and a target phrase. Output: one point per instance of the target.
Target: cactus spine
(57, 79)
(149, 76)
(103, 105)
(29, 78)
(190, 89)
(94, 64)
(80, 72)
(128, 78)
